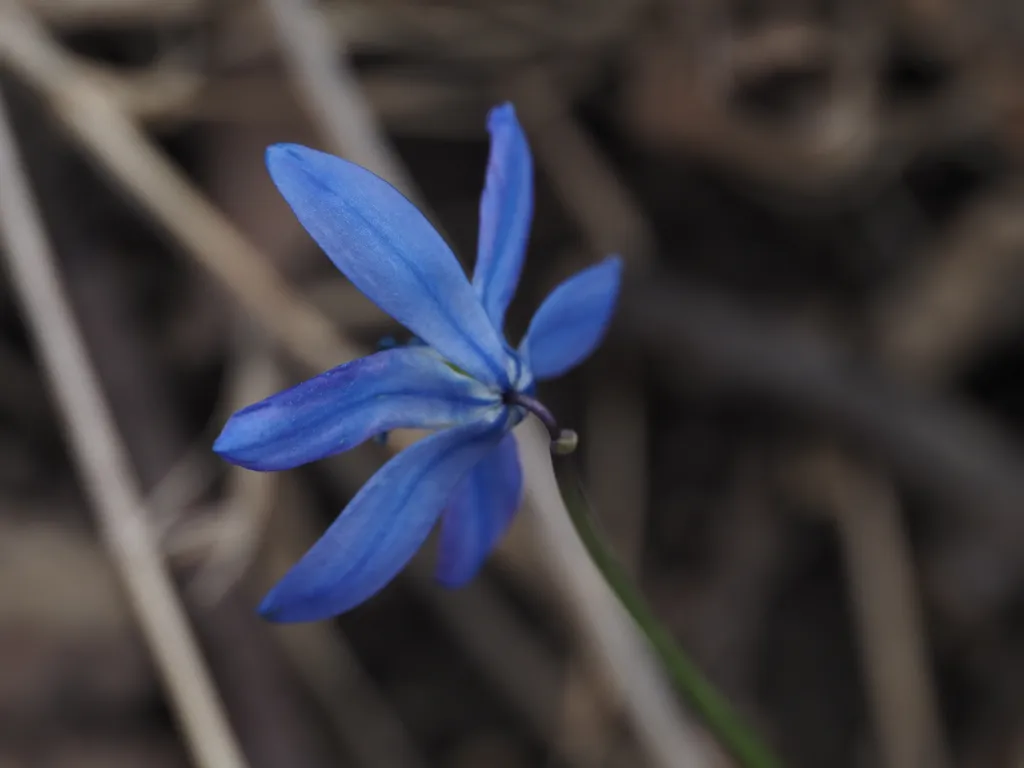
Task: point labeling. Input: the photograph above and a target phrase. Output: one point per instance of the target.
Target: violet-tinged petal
(479, 513)
(391, 253)
(572, 320)
(506, 210)
(339, 409)
(381, 528)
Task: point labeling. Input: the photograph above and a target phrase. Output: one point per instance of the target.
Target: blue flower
(465, 380)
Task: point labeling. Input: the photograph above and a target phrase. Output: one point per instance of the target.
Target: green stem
(718, 715)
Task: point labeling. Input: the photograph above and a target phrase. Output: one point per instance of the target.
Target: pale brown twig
(330, 92)
(616, 426)
(132, 161)
(888, 609)
(105, 469)
(237, 525)
(966, 292)
(627, 661)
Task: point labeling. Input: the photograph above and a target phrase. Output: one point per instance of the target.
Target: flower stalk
(563, 441)
(711, 706)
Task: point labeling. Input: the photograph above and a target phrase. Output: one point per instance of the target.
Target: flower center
(563, 441)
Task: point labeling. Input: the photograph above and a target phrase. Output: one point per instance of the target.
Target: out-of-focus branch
(105, 469)
(610, 221)
(967, 291)
(471, 35)
(20, 398)
(115, 12)
(520, 666)
(264, 705)
(235, 528)
(603, 208)
(879, 565)
(330, 92)
(936, 445)
(629, 665)
(166, 93)
(615, 426)
(958, 458)
(133, 162)
(685, 94)
(818, 157)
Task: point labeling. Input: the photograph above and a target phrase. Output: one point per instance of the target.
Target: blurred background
(803, 436)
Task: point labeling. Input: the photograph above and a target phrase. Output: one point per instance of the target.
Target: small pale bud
(566, 443)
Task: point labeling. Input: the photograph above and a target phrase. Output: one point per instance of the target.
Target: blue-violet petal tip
(269, 608)
(501, 114)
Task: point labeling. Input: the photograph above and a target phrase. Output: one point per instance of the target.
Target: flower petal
(479, 513)
(572, 320)
(339, 409)
(382, 527)
(391, 253)
(506, 210)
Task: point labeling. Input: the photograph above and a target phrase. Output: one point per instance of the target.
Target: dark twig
(937, 446)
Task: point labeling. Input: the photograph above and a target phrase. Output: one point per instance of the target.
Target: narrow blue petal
(382, 527)
(479, 513)
(572, 320)
(339, 409)
(506, 210)
(391, 253)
